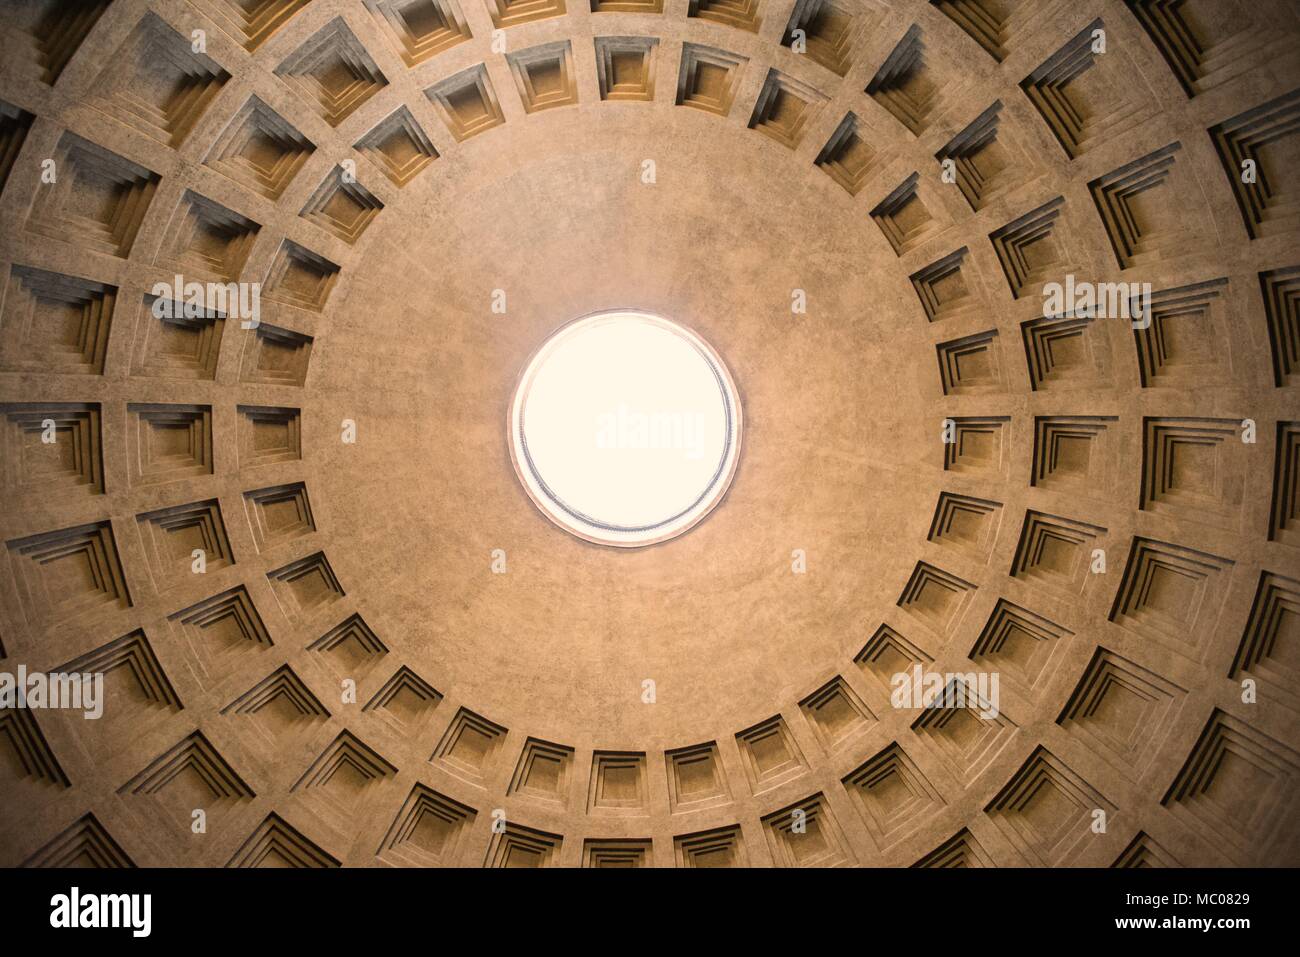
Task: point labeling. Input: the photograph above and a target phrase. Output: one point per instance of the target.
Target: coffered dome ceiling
(389, 649)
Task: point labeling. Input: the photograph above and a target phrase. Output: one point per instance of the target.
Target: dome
(972, 325)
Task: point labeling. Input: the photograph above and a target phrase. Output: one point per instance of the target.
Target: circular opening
(625, 428)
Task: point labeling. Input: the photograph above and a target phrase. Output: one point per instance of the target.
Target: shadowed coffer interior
(329, 617)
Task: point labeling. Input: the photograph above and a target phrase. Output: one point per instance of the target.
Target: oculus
(625, 428)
